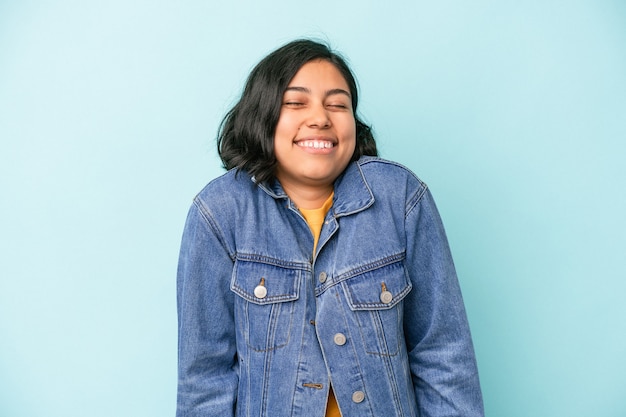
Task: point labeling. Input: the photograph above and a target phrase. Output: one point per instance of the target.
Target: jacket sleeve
(207, 363)
(439, 345)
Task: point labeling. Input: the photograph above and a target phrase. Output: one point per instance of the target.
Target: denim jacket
(265, 326)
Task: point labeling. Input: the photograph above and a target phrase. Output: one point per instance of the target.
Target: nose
(318, 117)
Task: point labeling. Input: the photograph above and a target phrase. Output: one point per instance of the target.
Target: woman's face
(316, 131)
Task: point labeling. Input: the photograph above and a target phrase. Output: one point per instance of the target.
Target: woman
(315, 278)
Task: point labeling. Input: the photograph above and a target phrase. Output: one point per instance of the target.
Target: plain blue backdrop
(512, 111)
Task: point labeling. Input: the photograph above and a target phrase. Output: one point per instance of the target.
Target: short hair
(246, 135)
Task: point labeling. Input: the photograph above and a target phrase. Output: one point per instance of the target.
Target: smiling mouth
(316, 144)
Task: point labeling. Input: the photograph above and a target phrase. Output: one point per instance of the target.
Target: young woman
(315, 279)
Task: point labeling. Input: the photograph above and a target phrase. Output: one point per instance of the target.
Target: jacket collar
(352, 192)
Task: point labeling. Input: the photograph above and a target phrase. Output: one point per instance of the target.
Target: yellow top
(315, 220)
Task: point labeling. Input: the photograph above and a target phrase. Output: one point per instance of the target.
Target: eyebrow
(328, 93)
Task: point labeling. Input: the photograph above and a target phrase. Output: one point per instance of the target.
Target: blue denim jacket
(265, 326)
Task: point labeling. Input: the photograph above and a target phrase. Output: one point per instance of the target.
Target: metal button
(340, 339)
(386, 297)
(322, 277)
(260, 291)
(358, 396)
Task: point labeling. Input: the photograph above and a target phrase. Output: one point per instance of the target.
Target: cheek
(350, 131)
(286, 120)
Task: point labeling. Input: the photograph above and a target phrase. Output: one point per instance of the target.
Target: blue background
(513, 112)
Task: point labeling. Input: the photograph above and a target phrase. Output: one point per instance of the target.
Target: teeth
(317, 144)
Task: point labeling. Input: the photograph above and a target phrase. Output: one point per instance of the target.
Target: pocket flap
(379, 289)
(280, 284)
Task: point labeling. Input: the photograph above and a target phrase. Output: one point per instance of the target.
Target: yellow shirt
(315, 220)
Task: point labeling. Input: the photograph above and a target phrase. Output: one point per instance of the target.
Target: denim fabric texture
(378, 310)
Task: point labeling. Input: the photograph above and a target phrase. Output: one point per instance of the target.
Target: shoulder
(225, 192)
(395, 184)
(385, 176)
(228, 185)
(372, 166)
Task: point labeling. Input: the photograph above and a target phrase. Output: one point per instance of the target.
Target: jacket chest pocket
(266, 302)
(376, 297)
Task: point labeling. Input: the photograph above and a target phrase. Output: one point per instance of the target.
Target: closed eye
(338, 106)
